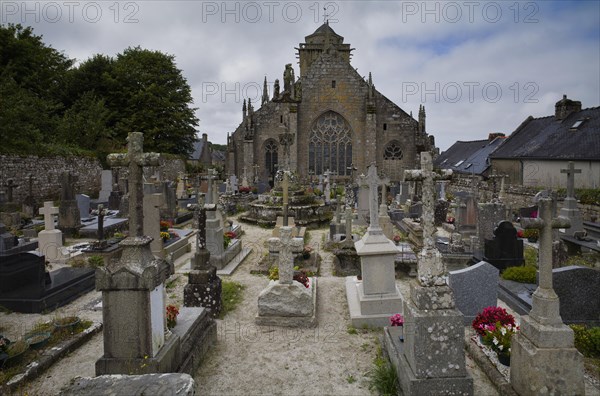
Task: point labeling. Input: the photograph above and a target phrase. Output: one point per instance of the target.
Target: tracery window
(271, 156)
(392, 151)
(330, 145)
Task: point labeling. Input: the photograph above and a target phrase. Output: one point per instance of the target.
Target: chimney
(564, 107)
(204, 137)
(494, 135)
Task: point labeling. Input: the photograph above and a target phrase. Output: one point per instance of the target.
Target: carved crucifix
(494, 177)
(212, 175)
(286, 139)
(135, 160)
(285, 198)
(10, 186)
(383, 207)
(373, 181)
(545, 304)
(285, 244)
(48, 211)
(570, 171)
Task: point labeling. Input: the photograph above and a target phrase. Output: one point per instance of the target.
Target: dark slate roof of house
(549, 138)
(197, 150)
(469, 157)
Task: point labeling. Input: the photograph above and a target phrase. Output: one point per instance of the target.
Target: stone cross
(10, 186)
(430, 267)
(348, 216)
(200, 215)
(571, 171)
(442, 190)
(245, 176)
(373, 181)
(383, 207)
(135, 160)
(285, 198)
(494, 177)
(48, 211)
(30, 178)
(285, 244)
(286, 139)
(255, 167)
(545, 304)
(212, 174)
(68, 181)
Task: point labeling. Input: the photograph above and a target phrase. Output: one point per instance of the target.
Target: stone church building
(330, 118)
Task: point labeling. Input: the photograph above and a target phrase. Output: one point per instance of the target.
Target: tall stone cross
(373, 181)
(30, 179)
(494, 177)
(200, 215)
(545, 304)
(570, 171)
(285, 244)
(383, 208)
(428, 177)
(48, 211)
(285, 198)
(286, 139)
(348, 241)
(135, 160)
(255, 167)
(212, 174)
(101, 214)
(10, 186)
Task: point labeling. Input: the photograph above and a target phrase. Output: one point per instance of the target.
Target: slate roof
(468, 157)
(549, 138)
(197, 150)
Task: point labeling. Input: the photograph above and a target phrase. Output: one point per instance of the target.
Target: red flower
(489, 316)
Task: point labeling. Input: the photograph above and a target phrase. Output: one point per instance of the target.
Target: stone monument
(69, 220)
(544, 359)
(50, 239)
(376, 297)
(570, 209)
(431, 360)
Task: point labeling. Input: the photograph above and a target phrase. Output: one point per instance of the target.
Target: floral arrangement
(397, 238)
(244, 190)
(302, 278)
(227, 237)
(172, 312)
(487, 319)
(520, 234)
(498, 337)
(306, 252)
(450, 220)
(397, 320)
(165, 235)
(164, 225)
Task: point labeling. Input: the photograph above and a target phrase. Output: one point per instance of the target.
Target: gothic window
(271, 156)
(330, 145)
(392, 151)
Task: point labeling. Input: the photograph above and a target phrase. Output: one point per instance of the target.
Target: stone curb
(49, 357)
(503, 386)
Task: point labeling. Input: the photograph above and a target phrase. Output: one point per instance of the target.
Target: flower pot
(37, 340)
(504, 358)
(396, 332)
(15, 352)
(67, 323)
(171, 323)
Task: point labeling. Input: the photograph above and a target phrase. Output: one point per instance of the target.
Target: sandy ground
(250, 359)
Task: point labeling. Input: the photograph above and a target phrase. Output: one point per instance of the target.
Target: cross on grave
(286, 244)
(212, 175)
(68, 181)
(373, 181)
(285, 198)
(48, 211)
(255, 167)
(545, 304)
(200, 219)
(101, 214)
(10, 186)
(494, 177)
(286, 139)
(30, 179)
(135, 159)
(245, 176)
(348, 241)
(570, 171)
(383, 207)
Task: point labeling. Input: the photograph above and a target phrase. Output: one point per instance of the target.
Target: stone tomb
(475, 288)
(50, 240)
(505, 250)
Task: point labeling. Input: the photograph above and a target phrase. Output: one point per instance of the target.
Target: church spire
(265, 95)
(421, 118)
(250, 108)
(244, 111)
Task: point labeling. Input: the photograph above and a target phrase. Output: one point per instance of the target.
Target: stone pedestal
(288, 304)
(204, 286)
(50, 243)
(374, 299)
(571, 211)
(214, 236)
(431, 360)
(133, 293)
(69, 220)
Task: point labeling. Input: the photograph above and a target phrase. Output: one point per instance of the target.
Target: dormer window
(577, 124)
(459, 163)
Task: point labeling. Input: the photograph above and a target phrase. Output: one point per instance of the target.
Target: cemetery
(327, 248)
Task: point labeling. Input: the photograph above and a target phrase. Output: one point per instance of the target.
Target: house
(470, 157)
(535, 153)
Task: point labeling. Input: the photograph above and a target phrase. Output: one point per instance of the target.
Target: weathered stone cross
(494, 177)
(255, 167)
(545, 304)
(135, 160)
(10, 186)
(373, 181)
(48, 211)
(570, 171)
(383, 207)
(284, 244)
(430, 267)
(348, 241)
(212, 174)
(285, 198)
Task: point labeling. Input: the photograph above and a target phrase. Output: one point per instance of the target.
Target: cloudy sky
(477, 66)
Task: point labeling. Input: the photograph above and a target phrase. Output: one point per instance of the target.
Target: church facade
(328, 119)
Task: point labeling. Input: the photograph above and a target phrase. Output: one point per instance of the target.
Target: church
(328, 119)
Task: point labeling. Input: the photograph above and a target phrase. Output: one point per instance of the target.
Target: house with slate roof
(539, 148)
(471, 157)
(202, 153)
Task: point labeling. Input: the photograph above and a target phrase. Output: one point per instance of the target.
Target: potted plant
(15, 352)
(498, 337)
(165, 236)
(172, 312)
(66, 322)
(37, 339)
(397, 238)
(306, 252)
(488, 318)
(396, 328)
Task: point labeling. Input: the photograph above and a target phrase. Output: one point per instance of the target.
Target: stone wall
(47, 170)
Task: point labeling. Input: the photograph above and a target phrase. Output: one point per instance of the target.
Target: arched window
(330, 145)
(271, 156)
(392, 151)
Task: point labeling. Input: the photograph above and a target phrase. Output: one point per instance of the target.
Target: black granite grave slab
(505, 250)
(578, 289)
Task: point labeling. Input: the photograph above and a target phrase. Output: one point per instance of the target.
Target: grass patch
(382, 376)
(350, 379)
(351, 330)
(530, 254)
(231, 295)
(172, 283)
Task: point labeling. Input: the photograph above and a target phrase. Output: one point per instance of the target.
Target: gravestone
(570, 209)
(432, 323)
(376, 297)
(69, 220)
(441, 212)
(528, 212)
(384, 219)
(363, 201)
(474, 288)
(505, 249)
(50, 240)
(578, 289)
(490, 215)
(169, 207)
(214, 228)
(83, 205)
(234, 183)
(114, 199)
(204, 286)
(180, 191)
(543, 357)
(105, 185)
(29, 205)
(286, 302)
(152, 204)
(10, 187)
(466, 216)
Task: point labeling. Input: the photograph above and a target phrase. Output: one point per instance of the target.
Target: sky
(477, 66)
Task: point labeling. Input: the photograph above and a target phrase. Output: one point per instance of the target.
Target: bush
(530, 254)
(525, 274)
(587, 341)
(382, 376)
(96, 261)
